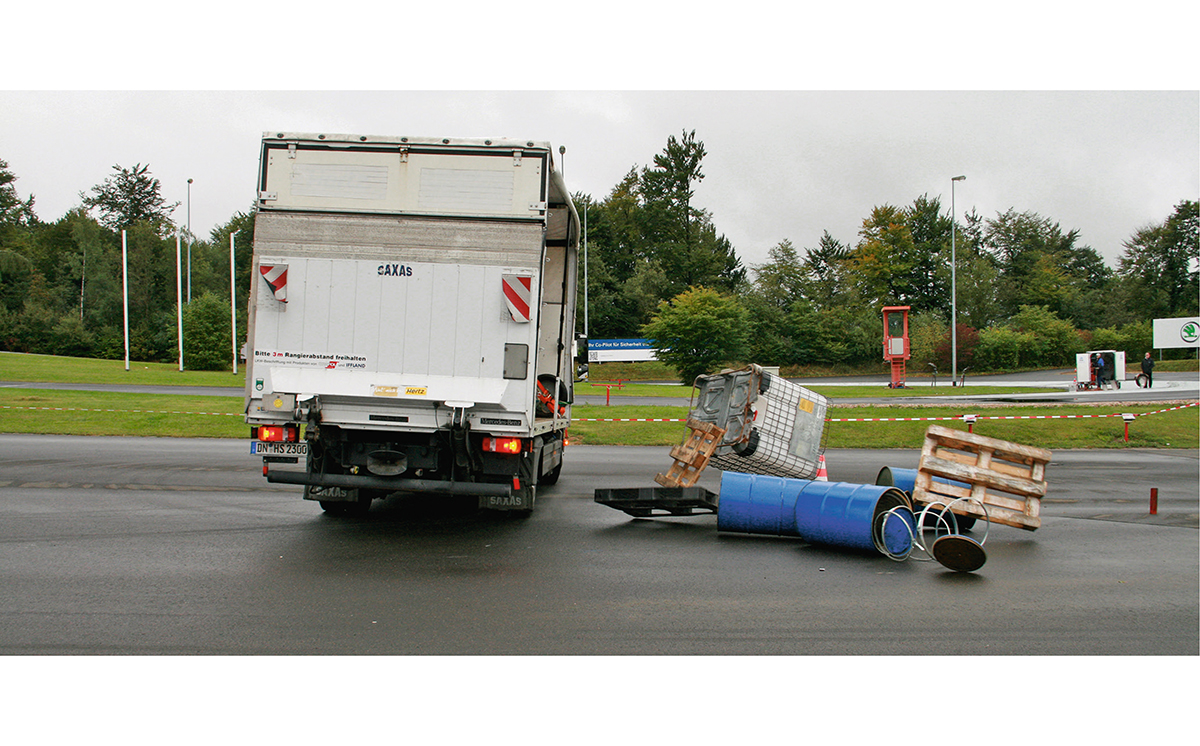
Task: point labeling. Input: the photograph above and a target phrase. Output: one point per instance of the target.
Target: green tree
(882, 267)
(926, 330)
(1054, 340)
(825, 269)
(778, 286)
(1041, 266)
(1162, 260)
(14, 211)
(843, 335)
(648, 242)
(131, 196)
(1000, 348)
(930, 231)
(206, 334)
(681, 237)
(780, 281)
(698, 331)
(16, 216)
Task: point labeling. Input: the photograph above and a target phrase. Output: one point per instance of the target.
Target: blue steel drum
(906, 479)
(758, 504)
(834, 513)
(901, 479)
(844, 514)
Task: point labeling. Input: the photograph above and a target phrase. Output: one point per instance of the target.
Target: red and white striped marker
(822, 474)
(518, 294)
(276, 277)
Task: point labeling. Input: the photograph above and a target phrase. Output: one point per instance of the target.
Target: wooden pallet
(691, 456)
(1009, 478)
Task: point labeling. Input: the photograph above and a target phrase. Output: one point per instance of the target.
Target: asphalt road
(150, 547)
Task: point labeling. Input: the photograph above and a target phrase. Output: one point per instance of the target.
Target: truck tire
(550, 478)
(356, 508)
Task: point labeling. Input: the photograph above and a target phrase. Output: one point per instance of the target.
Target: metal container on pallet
(772, 426)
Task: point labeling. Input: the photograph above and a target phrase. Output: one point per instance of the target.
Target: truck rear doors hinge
(516, 158)
(404, 154)
(292, 150)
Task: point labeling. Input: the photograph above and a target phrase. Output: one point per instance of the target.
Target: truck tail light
(503, 445)
(278, 433)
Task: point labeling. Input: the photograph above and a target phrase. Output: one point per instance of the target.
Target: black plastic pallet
(643, 502)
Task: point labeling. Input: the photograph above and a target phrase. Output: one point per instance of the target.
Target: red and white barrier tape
(924, 419)
(127, 411)
(648, 419)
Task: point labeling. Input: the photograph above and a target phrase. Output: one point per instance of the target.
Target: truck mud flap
(360, 481)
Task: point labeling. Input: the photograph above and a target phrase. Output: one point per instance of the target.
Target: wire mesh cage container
(772, 426)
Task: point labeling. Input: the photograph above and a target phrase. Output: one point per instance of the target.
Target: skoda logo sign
(1190, 332)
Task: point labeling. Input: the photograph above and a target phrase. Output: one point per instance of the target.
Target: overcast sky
(808, 151)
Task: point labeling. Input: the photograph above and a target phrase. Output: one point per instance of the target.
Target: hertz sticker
(415, 391)
(385, 391)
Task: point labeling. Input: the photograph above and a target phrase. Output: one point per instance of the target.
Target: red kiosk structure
(895, 342)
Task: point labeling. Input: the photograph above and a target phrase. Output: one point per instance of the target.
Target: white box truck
(411, 318)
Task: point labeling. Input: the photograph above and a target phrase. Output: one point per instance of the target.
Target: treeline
(61, 285)
(1028, 294)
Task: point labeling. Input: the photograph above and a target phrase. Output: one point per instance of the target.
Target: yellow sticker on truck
(395, 391)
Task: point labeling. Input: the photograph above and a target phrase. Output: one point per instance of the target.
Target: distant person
(1099, 371)
(1148, 370)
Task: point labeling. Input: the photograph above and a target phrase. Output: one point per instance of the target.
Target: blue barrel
(757, 504)
(834, 513)
(906, 479)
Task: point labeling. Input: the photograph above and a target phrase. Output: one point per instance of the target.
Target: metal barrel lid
(959, 553)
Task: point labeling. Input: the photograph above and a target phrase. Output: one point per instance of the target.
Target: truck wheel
(357, 508)
(550, 478)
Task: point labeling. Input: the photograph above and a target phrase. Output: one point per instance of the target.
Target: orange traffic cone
(822, 475)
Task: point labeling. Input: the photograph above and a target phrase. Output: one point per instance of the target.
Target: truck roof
(557, 196)
(500, 143)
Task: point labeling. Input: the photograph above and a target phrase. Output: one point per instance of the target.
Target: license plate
(264, 448)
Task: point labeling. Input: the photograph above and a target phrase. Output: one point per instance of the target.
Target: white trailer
(411, 317)
(1087, 372)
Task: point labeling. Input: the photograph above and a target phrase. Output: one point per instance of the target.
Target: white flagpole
(232, 304)
(179, 295)
(125, 290)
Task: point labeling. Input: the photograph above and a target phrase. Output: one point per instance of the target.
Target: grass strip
(1076, 426)
(19, 366)
(56, 412)
(15, 366)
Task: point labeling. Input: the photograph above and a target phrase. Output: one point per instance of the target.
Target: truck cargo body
(411, 317)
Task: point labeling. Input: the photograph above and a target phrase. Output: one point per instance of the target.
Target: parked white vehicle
(1090, 375)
